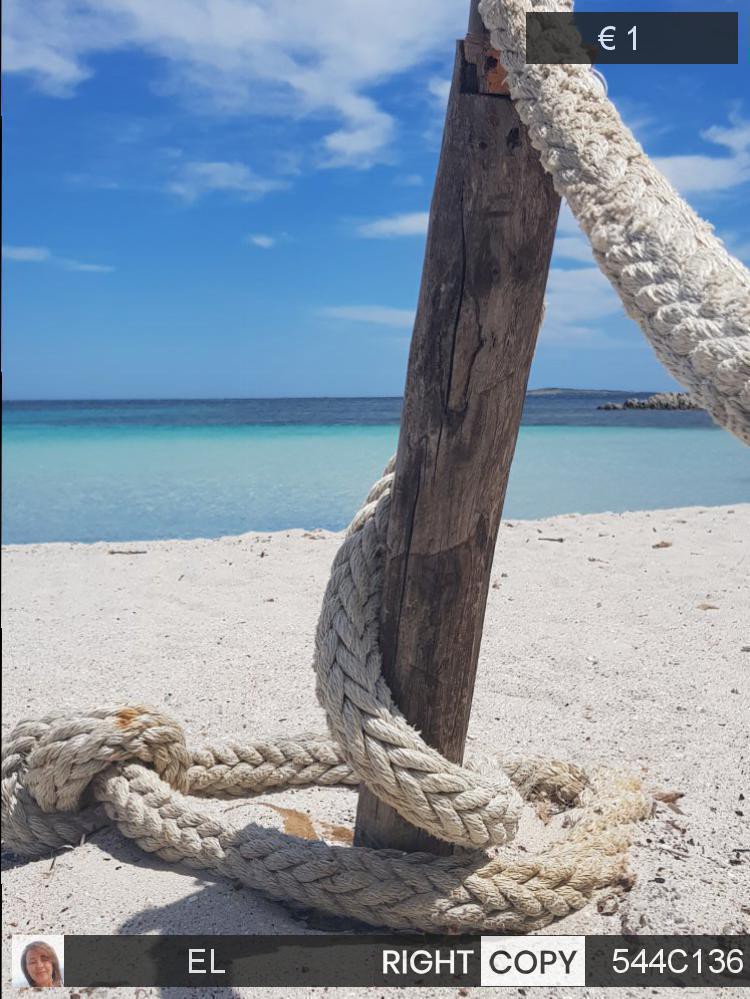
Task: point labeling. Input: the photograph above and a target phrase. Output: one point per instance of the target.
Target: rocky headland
(661, 400)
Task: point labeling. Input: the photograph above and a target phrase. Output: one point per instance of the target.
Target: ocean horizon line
(543, 390)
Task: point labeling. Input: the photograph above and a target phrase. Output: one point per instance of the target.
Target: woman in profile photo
(40, 965)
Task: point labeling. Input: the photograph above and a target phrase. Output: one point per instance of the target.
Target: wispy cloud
(735, 136)
(702, 174)
(641, 117)
(193, 180)
(364, 138)
(570, 241)
(409, 180)
(92, 182)
(737, 244)
(78, 265)
(407, 224)
(261, 240)
(578, 302)
(42, 255)
(239, 57)
(374, 315)
(439, 89)
(26, 254)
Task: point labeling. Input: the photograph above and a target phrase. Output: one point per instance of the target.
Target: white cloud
(737, 244)
(195, 179)
(439, 89)
(407, 224)
(578, 302)
(362, 141)
(56, 73)
(261, 240)
(78, 265)
(701, 174)
(409, 180)
(643, 118)
(375, 315)
(41, 254)
(26, 254)
(245, 56)
(580, 295)
(570, 241)
(736, 137)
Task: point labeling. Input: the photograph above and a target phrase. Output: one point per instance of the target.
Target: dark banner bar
(413, 961)
(271, 961)
(636, 37)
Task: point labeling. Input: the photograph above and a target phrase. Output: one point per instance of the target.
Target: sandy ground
(626, 642)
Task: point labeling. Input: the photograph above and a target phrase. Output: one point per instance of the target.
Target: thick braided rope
(449, 801)
(510, 891)
(64, 776)
(676, 279)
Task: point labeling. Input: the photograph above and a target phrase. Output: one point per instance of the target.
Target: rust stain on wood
(491, 77)
(495, 77)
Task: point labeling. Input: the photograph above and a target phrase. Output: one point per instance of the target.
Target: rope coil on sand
(64, 776)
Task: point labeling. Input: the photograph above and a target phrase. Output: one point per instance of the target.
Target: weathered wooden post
(492, 224)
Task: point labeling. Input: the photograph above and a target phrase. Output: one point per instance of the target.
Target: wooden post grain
(492, 224)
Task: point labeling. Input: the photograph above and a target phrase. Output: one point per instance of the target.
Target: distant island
(573, 391)
(661, 400)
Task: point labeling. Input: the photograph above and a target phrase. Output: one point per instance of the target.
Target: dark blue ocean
(127, 470)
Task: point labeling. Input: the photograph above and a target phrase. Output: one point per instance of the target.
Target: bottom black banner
(379, 960)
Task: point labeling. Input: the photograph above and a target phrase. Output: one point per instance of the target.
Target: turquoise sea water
(119, 471)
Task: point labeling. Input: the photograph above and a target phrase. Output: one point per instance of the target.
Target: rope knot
(49, 764)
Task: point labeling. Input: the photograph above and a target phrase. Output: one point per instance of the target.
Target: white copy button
(530, 961)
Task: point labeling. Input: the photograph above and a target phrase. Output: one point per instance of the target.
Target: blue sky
(230, 198)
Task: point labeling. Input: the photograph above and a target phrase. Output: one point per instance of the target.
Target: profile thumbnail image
(38, 961)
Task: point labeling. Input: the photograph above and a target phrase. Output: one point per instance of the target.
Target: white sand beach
(616, 639)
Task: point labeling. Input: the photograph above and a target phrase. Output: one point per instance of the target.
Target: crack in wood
(459, 306)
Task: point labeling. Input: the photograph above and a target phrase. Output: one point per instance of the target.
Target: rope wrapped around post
(64, 776)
